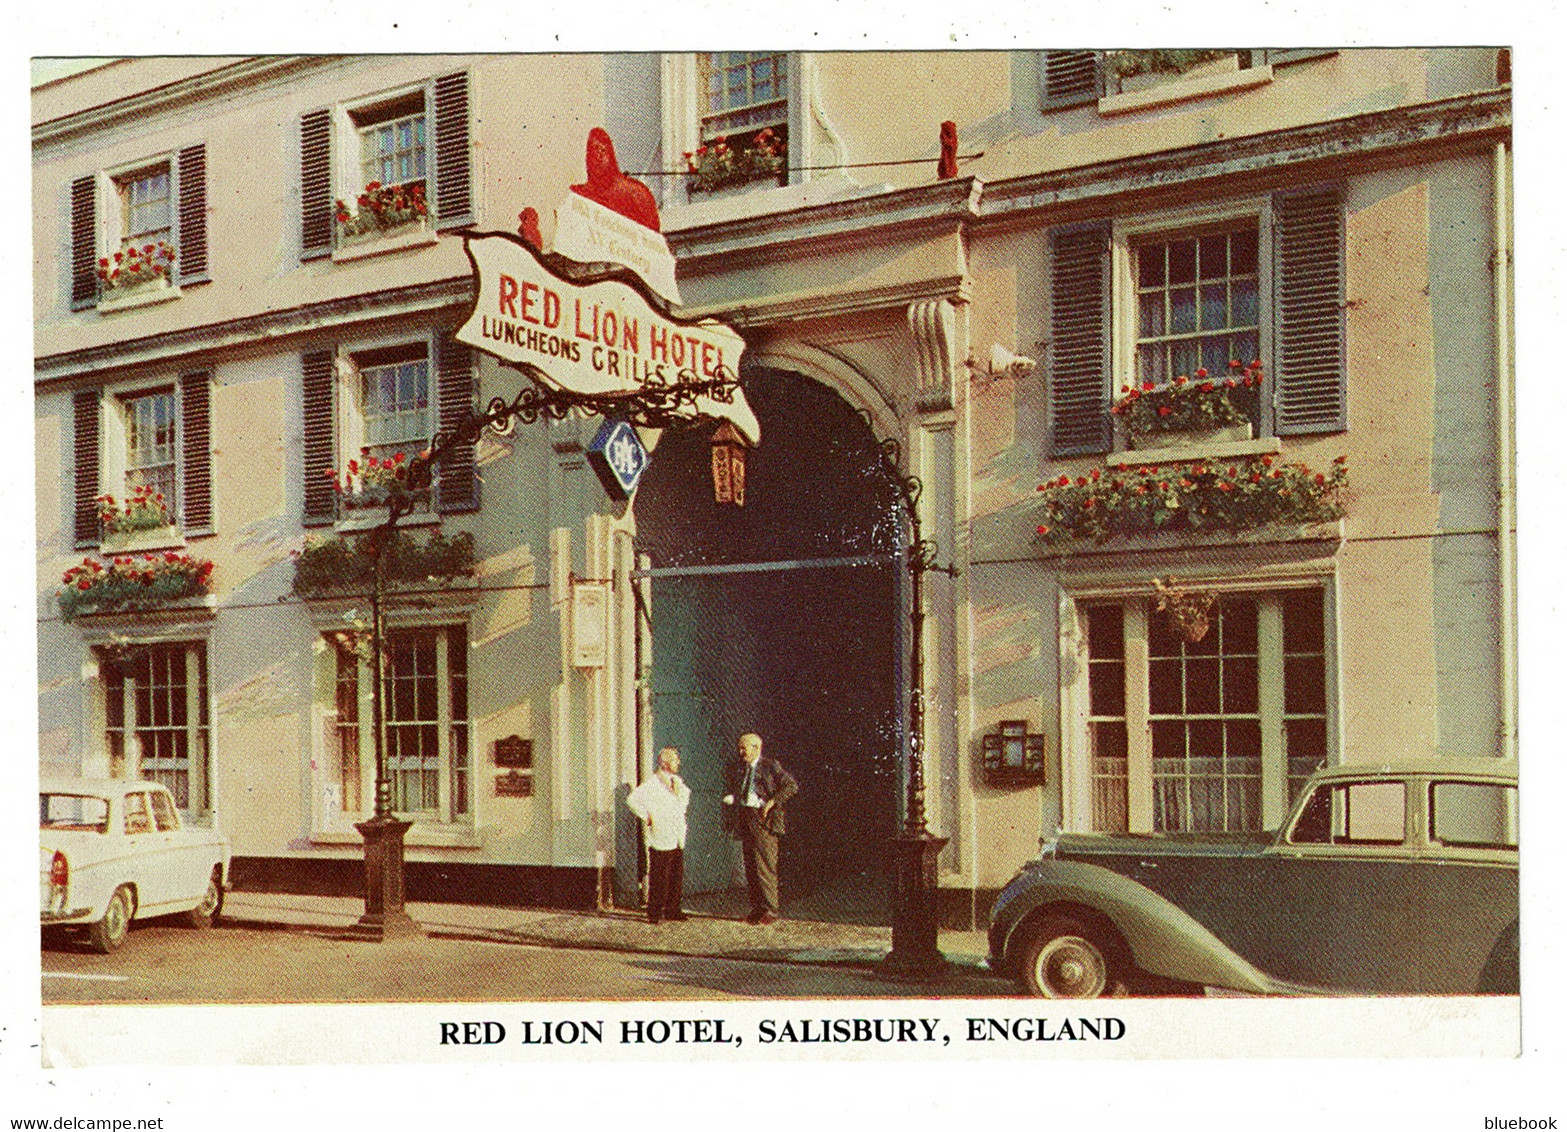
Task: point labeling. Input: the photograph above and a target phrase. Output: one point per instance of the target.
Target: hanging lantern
(729, 465)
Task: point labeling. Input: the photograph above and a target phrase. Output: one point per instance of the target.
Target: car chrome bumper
(64, 917)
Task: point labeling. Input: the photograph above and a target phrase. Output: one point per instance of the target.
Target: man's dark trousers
(760, 846)
(666, 880)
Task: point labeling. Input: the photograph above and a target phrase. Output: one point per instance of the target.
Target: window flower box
(1192, 438)
(345, 564)
(136, 267)
(719, 165)
(1142, 69)
(142, 523)
(1129, 501)
(383, 210)
(1191, 411)
(139, 542)
(131, 583)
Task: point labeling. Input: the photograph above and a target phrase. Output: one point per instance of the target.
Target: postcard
(669, 560)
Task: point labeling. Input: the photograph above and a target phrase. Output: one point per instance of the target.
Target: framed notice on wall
(589, 624)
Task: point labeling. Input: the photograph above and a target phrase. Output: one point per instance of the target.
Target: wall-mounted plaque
(513, 785)
(514, 751)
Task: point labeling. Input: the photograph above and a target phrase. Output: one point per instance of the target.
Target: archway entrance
(782, 617)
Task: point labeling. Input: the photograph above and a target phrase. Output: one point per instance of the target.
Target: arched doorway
(782, 617)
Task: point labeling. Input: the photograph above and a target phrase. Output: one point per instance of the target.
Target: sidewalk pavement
(788, 941)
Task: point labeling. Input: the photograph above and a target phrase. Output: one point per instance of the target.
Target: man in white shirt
(661, 802)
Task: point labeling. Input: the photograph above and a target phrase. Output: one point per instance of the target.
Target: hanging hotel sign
(595, 339)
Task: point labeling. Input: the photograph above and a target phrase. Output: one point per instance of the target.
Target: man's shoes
(767, 918)
(677, 916)
(652, 920)
(755, 917)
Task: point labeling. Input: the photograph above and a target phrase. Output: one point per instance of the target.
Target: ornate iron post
(915, 912)
(385, 915)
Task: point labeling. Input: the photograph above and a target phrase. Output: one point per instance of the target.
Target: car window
(73, 811)
(163, 811)
(1474, 815)
(137, 820)
(1352, 813)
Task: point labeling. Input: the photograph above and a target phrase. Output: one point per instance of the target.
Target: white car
(114, 850)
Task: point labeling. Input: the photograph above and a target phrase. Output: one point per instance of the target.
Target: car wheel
(205, 914)
(1062, 958)
(107, 934)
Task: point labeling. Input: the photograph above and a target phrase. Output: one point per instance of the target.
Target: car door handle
(1147, 864)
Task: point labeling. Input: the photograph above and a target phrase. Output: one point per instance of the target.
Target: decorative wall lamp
(1004, 363)
(1013, 756)
(729, 448)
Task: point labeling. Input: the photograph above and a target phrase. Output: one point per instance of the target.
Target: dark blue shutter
(1079, 349)
(84, 242)
(85, 466)
(453, 158)
(196, 425)
(191, 266)
(315, 184)
(320, 437)
(1308, 285)
(1072, 78)
(458, 488)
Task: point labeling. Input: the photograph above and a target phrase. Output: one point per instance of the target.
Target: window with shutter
(1079, 354)
(196, 424)
(192, 181)
(315, 184)
(458, 489)
(453, 155)
(1308, 377)
(396, 165)
(85, 451)
(143, 462)
(1200, 292)
(141, 224)
(319, 370)
(1072, 78)
(84, 242)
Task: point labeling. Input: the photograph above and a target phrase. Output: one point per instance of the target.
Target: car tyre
(107, 934)
(205, 914)
(1064, 958)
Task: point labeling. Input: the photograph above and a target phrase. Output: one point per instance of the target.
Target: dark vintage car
(1385, 879)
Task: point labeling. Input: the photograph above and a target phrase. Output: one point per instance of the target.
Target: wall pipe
(1506, 473)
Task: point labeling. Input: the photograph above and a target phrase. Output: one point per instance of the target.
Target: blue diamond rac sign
(619, 458)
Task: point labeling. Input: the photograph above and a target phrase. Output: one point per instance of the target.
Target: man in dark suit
(758, 789)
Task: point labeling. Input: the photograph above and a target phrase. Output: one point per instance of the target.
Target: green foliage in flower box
(135, 264)
(341, 564)
(381, 207)
(145, 510)
(717, 164)
(1162, 61)
(1130, 500)
(1192, 404)
(131, 583)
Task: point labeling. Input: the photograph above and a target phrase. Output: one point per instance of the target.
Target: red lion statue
(608, 186)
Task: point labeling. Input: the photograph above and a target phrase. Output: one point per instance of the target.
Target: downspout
(1506, 477)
